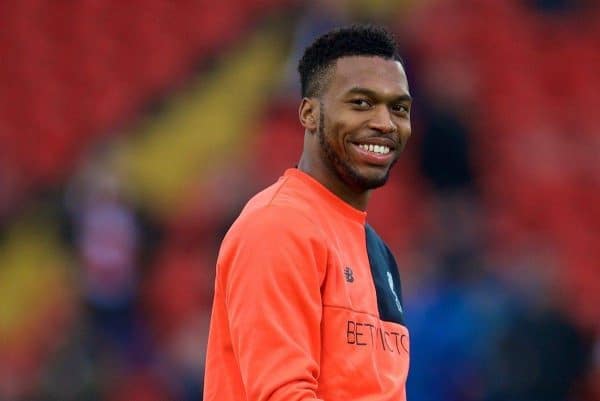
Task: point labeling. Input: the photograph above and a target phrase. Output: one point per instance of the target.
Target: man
(307, 297)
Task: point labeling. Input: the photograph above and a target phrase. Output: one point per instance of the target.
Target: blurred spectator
(445, 147)
(455, 310)
(445, 150)
(107, 240)
(539, 354)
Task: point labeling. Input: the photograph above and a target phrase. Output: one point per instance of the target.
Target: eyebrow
(371, 93)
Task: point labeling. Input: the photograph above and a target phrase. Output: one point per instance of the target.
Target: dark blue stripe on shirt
(386, 278)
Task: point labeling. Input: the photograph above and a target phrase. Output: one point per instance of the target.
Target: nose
(382, 121)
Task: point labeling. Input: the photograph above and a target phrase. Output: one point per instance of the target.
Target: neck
(330, 180)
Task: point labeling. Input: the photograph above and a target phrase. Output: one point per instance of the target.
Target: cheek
(332, 130)
(351, 120)
(340, 127)
(404, 130)
(338, 139)
(343, 127)
(405, 135)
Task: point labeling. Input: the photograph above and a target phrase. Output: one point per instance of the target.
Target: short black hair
(354, 40)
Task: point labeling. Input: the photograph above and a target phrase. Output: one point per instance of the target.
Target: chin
(370, 181)
(375, 183)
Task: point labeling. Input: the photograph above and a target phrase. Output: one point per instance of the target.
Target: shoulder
(274, 222)
(279, 210)
(272, 241)
(287, 196)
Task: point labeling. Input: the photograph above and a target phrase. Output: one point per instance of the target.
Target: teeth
(384, 150)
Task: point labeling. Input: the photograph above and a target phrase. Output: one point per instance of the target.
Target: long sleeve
(307, 306)
(272, 274)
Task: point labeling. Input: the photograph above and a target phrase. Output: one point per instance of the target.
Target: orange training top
(307, 303)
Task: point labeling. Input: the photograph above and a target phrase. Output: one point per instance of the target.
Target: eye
(400, 108)
(361, 103)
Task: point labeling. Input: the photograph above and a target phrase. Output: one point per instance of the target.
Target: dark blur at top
(132, 132)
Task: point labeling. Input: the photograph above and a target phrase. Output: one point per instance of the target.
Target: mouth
(376, 151)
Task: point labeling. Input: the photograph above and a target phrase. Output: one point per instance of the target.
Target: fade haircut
(355, 40)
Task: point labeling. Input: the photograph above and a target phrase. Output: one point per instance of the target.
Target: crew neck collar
(332, 199)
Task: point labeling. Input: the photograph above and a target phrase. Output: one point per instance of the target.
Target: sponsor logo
(369, 335)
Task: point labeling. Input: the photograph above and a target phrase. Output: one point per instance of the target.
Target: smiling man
(308, 302)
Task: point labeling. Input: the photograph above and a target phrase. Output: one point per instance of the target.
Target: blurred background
(132, 132)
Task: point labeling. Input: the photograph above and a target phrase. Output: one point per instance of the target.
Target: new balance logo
(349, 275)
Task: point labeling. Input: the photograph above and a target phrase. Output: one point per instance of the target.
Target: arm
(274, 307)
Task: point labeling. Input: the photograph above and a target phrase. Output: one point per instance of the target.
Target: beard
(343, 168)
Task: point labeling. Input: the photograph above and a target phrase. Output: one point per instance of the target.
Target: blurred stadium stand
(132, 132)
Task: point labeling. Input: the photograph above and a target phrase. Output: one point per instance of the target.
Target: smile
(379, 149)
(374, 154)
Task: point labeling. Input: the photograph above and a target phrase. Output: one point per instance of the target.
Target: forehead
(386, 77)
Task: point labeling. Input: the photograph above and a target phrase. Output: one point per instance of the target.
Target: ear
(308, 113)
